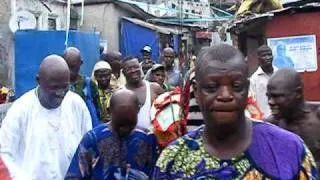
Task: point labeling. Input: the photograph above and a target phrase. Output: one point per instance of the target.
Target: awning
(157, 28)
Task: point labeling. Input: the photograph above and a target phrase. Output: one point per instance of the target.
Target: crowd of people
(137, 119)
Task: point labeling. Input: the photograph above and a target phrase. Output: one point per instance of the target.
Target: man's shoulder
(188, 141)
(156, 88)
(257, 72)
(26, 98)
(74, 99)
(276, 136)
(143, 131)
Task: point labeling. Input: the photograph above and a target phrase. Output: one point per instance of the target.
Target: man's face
(53, 89)
(158, 76)
(281, 50)
(221, 92)
(168, 58)
(265, 58)
(132, 71)
(124, 118)
(74, 67)
(103, 77)
(115, 63)
(281, 99)
(147, 57)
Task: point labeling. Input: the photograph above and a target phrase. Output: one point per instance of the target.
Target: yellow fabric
(104, 97)
(117, 83)
(258, 6)
(4, 90)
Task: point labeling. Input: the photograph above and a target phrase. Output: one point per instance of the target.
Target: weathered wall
(58, 11)
(6, 43)
(295, 25)
(105, 19)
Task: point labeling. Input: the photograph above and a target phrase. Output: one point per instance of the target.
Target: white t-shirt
(37, 143)
(258, 88)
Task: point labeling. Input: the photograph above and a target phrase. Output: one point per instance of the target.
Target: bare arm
(157, 89)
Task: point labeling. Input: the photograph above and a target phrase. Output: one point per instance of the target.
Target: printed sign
(296, 52)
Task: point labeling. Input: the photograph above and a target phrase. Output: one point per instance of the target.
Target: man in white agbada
(42, 129)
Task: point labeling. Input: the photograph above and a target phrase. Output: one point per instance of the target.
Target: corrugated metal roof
(244, 23)
(160, 29)
(137, 11)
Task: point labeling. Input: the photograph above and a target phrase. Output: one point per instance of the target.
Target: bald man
(42, 128)
(174, 76)
(77, 82)
(118, 149)
(291, 112)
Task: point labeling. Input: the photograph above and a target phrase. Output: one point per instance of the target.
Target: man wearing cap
(147, 61)
(102, 90)
(158, 74)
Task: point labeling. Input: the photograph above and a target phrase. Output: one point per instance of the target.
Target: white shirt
(144, 115)
(258, 88)
(37, 143)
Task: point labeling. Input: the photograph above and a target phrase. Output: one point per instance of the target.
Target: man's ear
(195, 86)
(37, 78)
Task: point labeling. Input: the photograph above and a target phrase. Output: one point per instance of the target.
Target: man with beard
(118, 149)
(291, 112)
(146, 91)
(230, 146)
(259, 79)
(174, 75)
(42, 128)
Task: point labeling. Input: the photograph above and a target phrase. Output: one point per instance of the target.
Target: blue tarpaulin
(134, 37)
(31, 47)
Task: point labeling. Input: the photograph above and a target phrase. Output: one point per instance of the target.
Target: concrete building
(299, 20)
(104, 17)
(50, 15)
(6, 43)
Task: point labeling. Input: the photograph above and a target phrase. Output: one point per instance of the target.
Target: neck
(169, 68)
(297, 114)
(43, 101)
(73, 81)
(104, 87)
(132, 85)
(227, 142)
(116, 73)
(268, 70)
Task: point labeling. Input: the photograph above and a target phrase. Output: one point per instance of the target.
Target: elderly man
(42, 128)
(230, 146)
(119, 149)
(174, 75)
(102, 90)
(259, 79)
(78, 82)
(291, 112)
(146, 91)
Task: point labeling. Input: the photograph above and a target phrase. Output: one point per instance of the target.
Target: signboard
(296, 52)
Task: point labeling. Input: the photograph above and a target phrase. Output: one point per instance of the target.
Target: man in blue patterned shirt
(116, 150)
